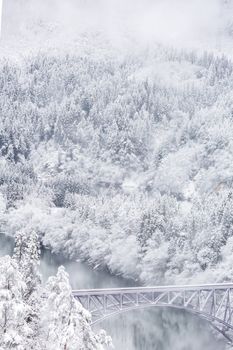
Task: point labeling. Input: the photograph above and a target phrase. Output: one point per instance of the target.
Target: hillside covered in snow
(97, 151)
(116, 148)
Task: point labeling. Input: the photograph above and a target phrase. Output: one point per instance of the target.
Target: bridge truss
(213, 303)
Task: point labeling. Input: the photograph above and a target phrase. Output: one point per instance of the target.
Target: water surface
(149, 329)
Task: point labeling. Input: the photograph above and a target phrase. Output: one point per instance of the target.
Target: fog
(0, 15)
(178, 23)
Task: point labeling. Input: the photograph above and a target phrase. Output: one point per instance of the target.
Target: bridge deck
(202, 287)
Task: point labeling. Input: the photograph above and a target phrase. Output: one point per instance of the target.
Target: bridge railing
(202, 287)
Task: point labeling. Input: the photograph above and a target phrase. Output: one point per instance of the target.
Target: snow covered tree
(27, 256)
(15, 332)
(65, 324)
(154, 264)
(227, 217)
(150, 223)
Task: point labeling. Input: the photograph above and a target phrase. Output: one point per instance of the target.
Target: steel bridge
(211, 302)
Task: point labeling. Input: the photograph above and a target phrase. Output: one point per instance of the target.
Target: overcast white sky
(0, 15)
(168, 21)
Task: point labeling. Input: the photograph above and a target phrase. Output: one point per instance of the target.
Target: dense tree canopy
(99, 150)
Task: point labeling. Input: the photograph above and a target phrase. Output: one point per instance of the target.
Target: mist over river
(157, 329)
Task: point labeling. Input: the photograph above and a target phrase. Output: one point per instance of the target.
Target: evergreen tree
(15, 332)
(64, 322)
(152, 222)
(27, 256)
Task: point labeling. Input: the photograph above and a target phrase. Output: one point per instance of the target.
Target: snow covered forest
(118, 168)
(39, 317)
(123, 160)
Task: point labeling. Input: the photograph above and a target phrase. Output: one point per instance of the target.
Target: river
(154, 329)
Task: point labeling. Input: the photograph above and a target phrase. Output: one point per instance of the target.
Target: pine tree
(27, 256)
(65, 324)
(152, 222)
(15, 332)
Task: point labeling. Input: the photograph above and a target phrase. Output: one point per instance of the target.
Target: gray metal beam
(211, 302)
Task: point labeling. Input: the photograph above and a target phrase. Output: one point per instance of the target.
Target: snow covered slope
(125, 142)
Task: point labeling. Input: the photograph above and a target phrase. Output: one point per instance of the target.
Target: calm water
(157, 329)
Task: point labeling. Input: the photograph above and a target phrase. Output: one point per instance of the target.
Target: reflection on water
(161, 329)
(149, 329)
(6, 245)
(157, 329)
